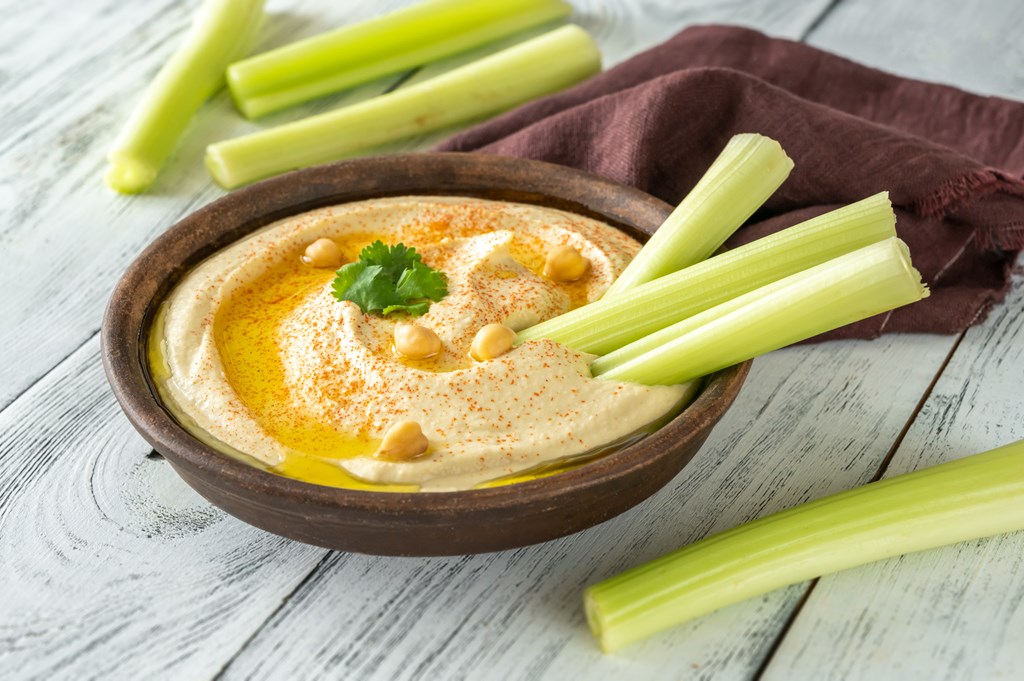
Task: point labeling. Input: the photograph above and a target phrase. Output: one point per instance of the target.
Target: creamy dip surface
(253, 348)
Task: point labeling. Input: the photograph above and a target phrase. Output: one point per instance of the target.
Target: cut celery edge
(610, 323)
(222, 31)
(866, 282)
(386, 45)
(973, 497)
(745, 174)
(536, 67)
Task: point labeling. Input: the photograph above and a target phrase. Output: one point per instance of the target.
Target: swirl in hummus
(252, 348)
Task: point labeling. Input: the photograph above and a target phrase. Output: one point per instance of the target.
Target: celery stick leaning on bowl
(866, 282)
(536, 67)
(970, 498)
(692, 336)
(670, 319)
(745, 174)
(222, 31)
(390, 44)
(614, 321)
(829, 271)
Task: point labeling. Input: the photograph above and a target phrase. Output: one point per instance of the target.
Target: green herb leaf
(419, 281)
(415, 310)
(392, 259)
(388, 279)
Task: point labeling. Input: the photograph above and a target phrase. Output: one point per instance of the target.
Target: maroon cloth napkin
(950, 160)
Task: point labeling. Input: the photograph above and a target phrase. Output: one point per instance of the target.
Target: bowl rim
(124, 338)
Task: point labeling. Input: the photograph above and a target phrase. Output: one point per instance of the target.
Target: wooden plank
(623, 29)
(971, 45)
(125, 562)
(425, 631)
(728, 643)
(69, 238)
(66, 237)
(543, 626)
(950, 613)
(945, 613)
(792, 435)
(110, 566)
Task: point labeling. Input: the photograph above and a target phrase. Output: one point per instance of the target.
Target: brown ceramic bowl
(408, 524)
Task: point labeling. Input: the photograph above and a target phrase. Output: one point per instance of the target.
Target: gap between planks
(391, 88)
(153, 454)
(882, 468)
(818, 20)
(49, 371)
(328, 554)
(794, 615)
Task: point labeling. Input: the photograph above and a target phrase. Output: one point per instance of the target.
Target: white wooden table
(110, 567)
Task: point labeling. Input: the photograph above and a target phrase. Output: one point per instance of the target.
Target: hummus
(253, 349)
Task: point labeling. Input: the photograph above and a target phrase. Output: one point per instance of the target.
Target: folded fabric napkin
(951, 160)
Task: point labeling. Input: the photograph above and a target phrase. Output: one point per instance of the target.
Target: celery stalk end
(219, 170)
(127, 175)
(591, 608)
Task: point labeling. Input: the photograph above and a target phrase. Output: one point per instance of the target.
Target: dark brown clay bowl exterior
(405, 524)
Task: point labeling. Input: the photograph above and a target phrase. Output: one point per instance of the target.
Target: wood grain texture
(790, 437)
(622, 29)
(110, 566)
(105, 552)
(66, 237)
(753, 626)
(76, 611)
(971, 45)
(950, 613)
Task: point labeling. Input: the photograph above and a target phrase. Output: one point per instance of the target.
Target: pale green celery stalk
(609, 323)
(866, 282)
(396, 42)
(745, 174)
(536, 67)
(973, 497)
(222, 31)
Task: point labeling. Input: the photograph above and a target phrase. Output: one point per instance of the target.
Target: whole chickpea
(404, 441)
(322, 253)
(565, 263)
(492, 340)
(416, 342)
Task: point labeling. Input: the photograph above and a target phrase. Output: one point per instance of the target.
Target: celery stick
(866, 282)
(493, 84)
(608, 324)
(404, 39)
(742, 178)
(223, 30)
(977, 496)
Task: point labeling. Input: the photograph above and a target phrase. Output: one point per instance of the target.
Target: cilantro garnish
(389, 279)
